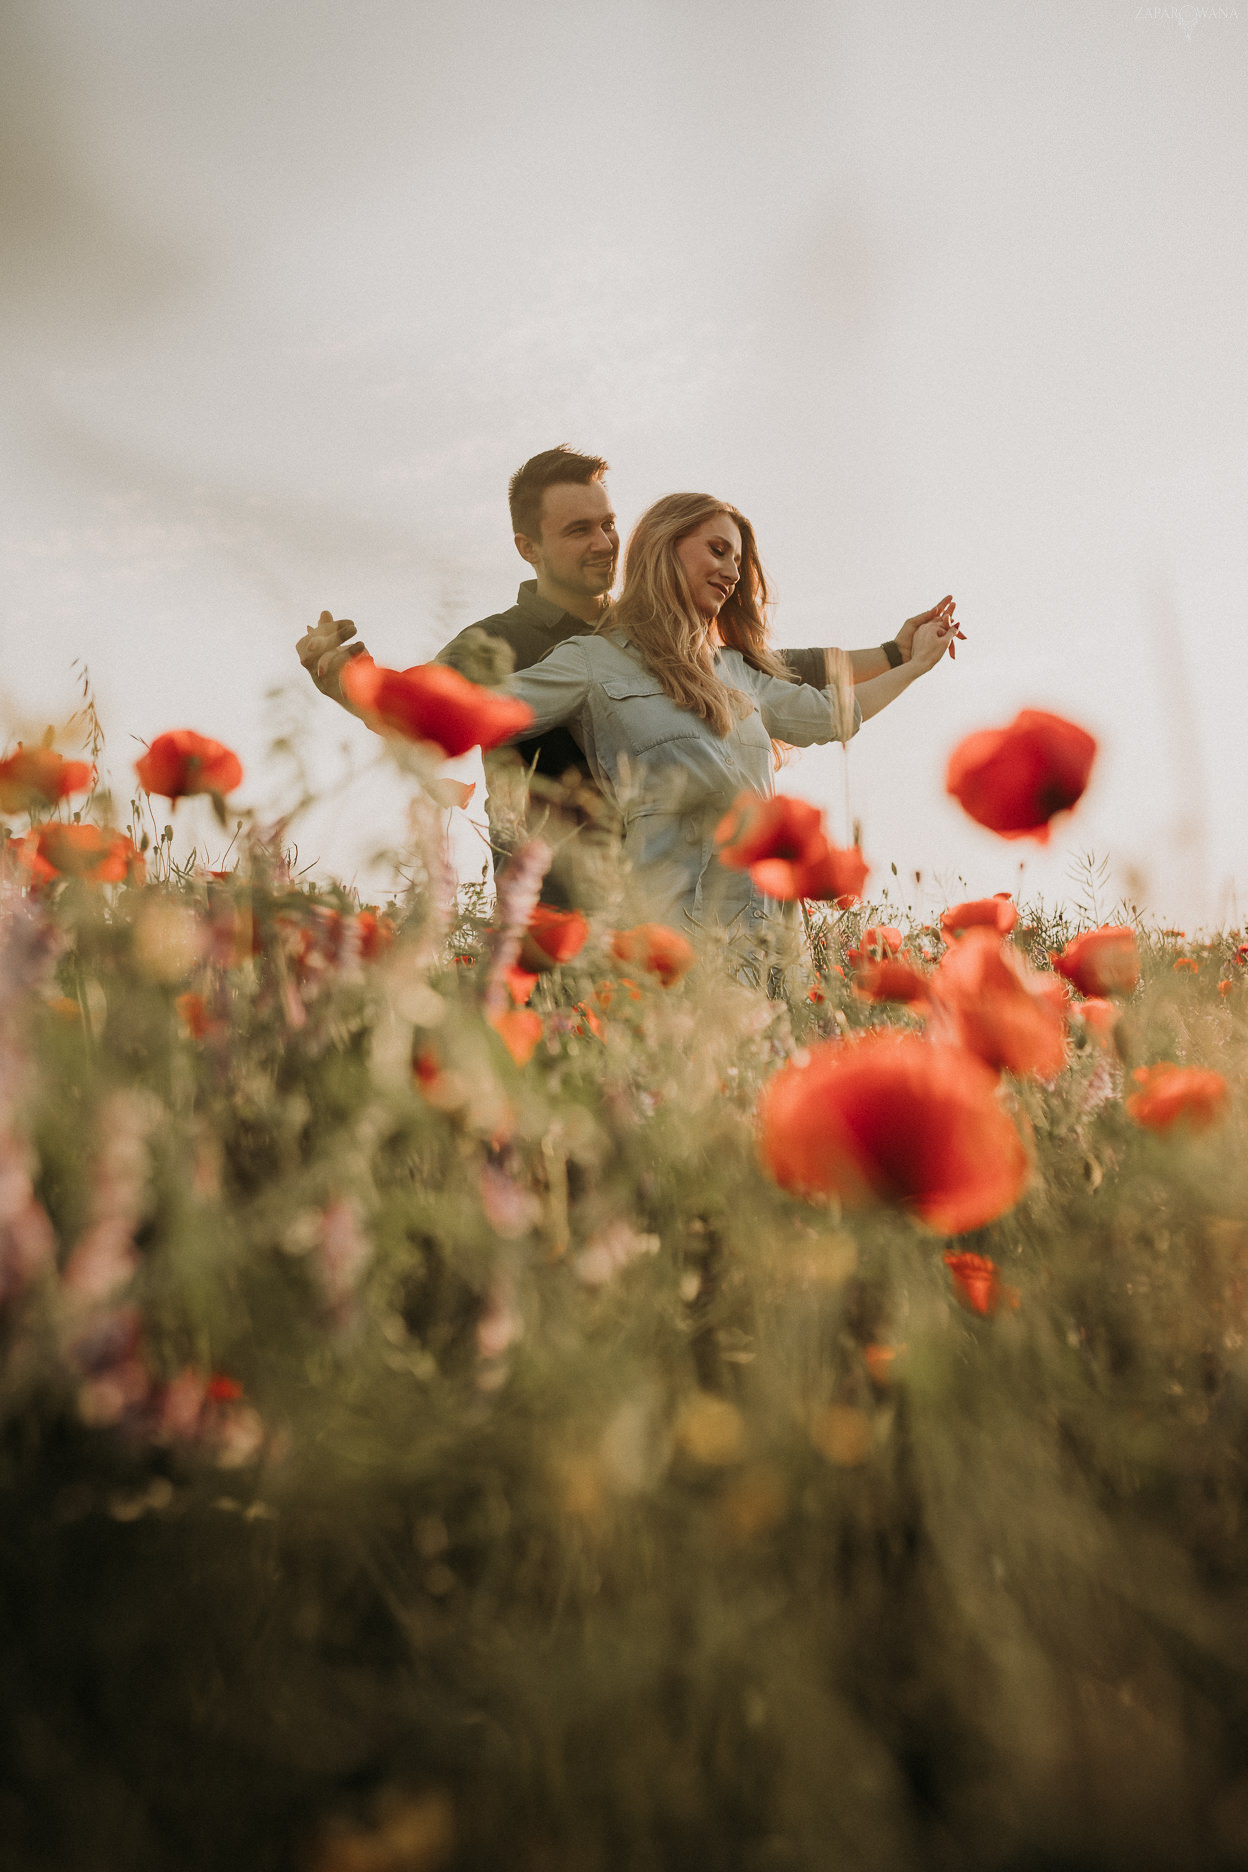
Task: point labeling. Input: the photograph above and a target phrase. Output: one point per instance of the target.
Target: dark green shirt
(532, 627)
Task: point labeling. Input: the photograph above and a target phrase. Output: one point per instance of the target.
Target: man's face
(579, 547)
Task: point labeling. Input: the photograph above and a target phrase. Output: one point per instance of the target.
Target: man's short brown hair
(528, 484)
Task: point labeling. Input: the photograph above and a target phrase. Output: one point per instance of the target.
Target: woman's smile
(711, 558)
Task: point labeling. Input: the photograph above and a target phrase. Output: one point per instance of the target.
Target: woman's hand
(932, 635)
(941, 613)
(932, 638)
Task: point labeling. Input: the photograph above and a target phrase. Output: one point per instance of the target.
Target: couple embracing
(665, 703)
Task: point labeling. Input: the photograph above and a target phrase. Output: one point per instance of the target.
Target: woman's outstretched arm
(875, 660)
(555, 689)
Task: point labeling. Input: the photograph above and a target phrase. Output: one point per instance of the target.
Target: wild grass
(412, 1459)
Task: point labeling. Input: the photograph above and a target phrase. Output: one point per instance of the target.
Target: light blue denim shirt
(670, 775)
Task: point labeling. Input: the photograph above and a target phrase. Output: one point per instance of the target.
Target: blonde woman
(677, 698)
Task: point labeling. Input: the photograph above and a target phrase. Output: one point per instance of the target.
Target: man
(564, 527)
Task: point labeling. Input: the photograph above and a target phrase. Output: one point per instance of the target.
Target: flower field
(654, 1410)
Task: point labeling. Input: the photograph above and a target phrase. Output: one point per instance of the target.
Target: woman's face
(711, 556)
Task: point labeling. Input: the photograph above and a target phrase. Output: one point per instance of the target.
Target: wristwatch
(892, 650)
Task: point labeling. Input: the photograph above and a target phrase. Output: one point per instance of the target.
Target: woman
(677, 699)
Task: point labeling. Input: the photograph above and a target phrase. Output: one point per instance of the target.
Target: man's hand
(321, 652)
(941, 614)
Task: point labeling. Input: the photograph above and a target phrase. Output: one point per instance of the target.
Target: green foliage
(411, 1458)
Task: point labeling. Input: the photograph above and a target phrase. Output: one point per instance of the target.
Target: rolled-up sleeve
(796, 712)
(555, 689)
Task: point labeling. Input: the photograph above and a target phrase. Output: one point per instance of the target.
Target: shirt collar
(543, 612)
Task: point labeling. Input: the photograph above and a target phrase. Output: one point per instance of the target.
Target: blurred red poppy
(890, 980)
(560, 934)
(1100, 1017)
(1015, 779)
(1170, 1095)
(756, 827)
(989, 1004)
(182, 762)
(34, 778)
(783, 845)
(997, 912)
(519, 1029)
(656, 950)
(836, 875)
(1102, 961)
(878, 941)
(432, 702)
(978, 1284)
(427, 1067)
(589, 1022)
(521, 984)
(374, 934)
(80, 851)
(894, 1117)
(194, 1015)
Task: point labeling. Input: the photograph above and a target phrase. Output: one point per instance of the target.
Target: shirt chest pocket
(643, 715)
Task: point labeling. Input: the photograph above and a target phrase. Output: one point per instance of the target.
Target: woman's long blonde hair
(655, 610)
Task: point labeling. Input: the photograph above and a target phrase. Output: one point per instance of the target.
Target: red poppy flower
(1014, 780)
(657, 950)
(560, 934)
(1102, 961)
(978, 1284)
(182, 762)
(1100, 1017)
(81, 851)
(756, 827)
(783, 845)
(519, 1029)
(606, 992)
(836, 875)
(1002, 1013)
(997, 912)
(1170, 1095)
(589, 1022)
(374, 934)
(890, 980)
(521, 984)
(35, 778)
(432, 702)
(427, 1067)
(894, 1117)
(880, 938)
(194, 1015)
(878, 941)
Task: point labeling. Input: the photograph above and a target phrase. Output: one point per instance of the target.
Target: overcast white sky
(945, 297)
